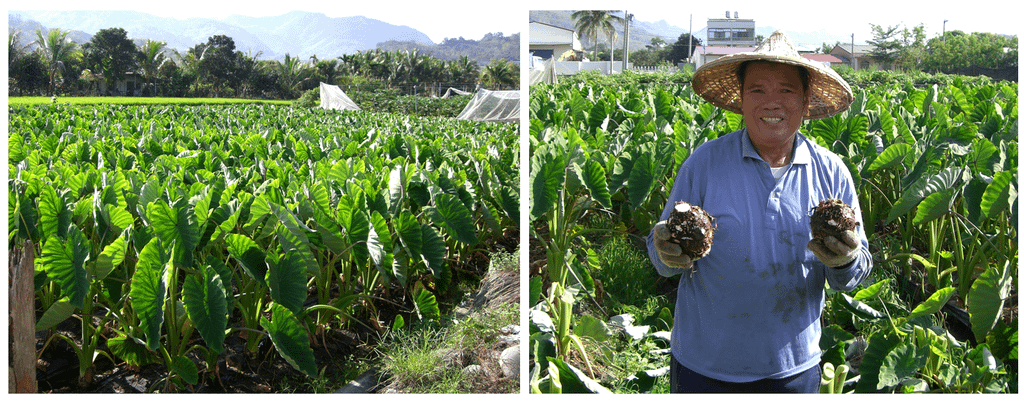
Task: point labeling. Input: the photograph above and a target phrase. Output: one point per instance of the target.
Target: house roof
(547, 34)
(822, 58)
(857, 49)
(726, 50)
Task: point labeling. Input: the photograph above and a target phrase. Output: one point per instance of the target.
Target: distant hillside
(298, 33)
(492, 46)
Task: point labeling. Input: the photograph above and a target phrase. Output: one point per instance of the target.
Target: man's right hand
(669, 253)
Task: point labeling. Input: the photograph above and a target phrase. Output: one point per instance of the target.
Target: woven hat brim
(718, 82)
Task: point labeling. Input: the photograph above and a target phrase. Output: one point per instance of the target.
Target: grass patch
(140, 101)
(429, 357)
(625, 272)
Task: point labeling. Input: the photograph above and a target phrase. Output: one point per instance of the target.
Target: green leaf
(933, 304)
(547, 174)
(923, 187)
(379, 244)
(64, 262)
(287, 280)
(642, 177)
(357, 227)
(206, 302)
(396, 188)
(891, 156)
(184, 367)
(149, 290)
(111, 256)
(574, 381)
(59, 311)
(593, 177)
(249, 255)
(449, 212)
(870, 292)
(934, 206)
(508, 198)
(859, 308)
(54, 216)
(899, 364)
(131, 350)
(176, 225)
(999, 194)
(290, 339)
(590, 327)
(987, 296)
(879, 346)
(426, 305)
(409, 232)
(292, 235)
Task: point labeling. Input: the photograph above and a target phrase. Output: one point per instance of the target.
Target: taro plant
(907, 351)
(160, 224)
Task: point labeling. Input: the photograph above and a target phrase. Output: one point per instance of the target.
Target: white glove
(835, 252)
(669, 253)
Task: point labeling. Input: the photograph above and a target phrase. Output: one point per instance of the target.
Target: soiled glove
(669, 253)
(835, 252)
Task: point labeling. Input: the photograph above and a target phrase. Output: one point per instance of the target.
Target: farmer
(748, 314)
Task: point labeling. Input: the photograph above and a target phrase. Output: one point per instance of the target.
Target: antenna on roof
(735, 14)
(727, 15)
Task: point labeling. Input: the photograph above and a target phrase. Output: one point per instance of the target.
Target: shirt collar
(801, 152)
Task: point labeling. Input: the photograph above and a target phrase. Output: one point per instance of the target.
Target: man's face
(774, 101)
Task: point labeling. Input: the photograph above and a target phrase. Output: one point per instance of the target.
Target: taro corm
(692, 228)
(832, 217)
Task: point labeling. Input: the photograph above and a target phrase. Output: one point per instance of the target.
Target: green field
(140, 101)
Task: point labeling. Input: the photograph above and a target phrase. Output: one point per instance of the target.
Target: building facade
(548, 41)
(731, 31)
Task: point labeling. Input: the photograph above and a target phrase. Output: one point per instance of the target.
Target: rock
(365, 383)
(472, 370)
(510, 362)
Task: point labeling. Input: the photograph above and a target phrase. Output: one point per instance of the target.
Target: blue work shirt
(751, 308)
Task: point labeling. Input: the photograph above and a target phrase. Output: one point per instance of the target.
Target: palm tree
(291, 73)
(329, 70)
(500, 73)
(15, 49)
(151, 56)
(591, 22)
(56, 49)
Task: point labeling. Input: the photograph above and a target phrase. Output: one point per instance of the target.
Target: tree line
(895, 47)
(52, 64)
(955, 52)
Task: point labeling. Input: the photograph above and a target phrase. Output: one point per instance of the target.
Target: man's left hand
(835, 252)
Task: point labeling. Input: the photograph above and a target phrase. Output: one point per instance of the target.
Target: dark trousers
(685, 380)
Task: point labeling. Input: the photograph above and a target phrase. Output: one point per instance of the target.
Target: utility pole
(690, 56)
(625, 43)
(944, 30)
(853, 58)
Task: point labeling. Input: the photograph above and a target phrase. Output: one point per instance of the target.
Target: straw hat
(718, 81)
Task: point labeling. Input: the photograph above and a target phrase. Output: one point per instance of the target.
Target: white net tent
(492, 106)
(543, 72)
(331, 97)
(452, 91)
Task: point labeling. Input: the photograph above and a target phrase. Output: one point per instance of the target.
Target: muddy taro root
(692, 228)
(832, 217)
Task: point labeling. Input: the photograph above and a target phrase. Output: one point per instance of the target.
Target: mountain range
(298, 33)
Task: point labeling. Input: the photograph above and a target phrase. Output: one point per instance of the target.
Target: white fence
(572, 68)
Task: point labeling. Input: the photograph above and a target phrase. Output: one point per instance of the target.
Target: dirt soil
(237, 370)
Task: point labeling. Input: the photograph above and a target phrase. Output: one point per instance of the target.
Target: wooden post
(22, 315)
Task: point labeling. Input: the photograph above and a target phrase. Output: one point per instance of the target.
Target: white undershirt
(778, 172)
